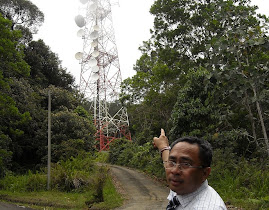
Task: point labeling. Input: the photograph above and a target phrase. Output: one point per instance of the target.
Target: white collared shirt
(204, 198)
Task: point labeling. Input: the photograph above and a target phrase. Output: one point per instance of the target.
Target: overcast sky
(131, 19)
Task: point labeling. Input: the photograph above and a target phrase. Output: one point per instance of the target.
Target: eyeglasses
(182, 166)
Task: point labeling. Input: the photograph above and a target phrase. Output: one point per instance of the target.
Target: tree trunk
(259, 109)
(251, 118)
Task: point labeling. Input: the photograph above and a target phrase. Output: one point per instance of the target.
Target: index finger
(162, 132)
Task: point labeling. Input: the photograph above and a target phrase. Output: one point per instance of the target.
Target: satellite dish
(96, 28)
(79, 55)
(80, 33)
(94, 43)
(94, 35)
(80, 21)
(93, 62)
(95, 69)
(95, 76)
(84, 1)
(95, 53)
(93, 6)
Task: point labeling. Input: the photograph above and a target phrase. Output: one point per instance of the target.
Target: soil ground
(142, 192)
(8, 206)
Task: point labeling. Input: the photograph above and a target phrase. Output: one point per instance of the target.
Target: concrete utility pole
(49, 140)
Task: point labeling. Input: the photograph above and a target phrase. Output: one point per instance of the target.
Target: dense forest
(204, 72)
(28, 70)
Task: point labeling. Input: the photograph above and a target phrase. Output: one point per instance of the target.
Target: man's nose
(176, 169)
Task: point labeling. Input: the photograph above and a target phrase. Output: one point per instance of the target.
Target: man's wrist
(164, 148)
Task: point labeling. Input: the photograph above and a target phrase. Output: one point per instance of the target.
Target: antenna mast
(100, 76)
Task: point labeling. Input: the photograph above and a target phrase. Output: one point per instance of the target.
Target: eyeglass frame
(180, 165)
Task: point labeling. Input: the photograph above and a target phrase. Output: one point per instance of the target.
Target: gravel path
(8, 206)
(142, 192)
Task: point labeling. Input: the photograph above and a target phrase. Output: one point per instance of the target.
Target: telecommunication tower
(100, 76)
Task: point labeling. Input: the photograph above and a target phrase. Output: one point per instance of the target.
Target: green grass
(112, 198)
(56, 200)
(48, 199)
(77, 183)
(243, 184)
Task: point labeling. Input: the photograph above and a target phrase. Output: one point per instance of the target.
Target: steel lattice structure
(100, 76)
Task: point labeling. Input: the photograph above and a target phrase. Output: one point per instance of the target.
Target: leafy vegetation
(241, 182)
(27, 72)
(79, 181)
(204, 72)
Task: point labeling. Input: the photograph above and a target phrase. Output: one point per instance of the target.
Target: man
(187, 166)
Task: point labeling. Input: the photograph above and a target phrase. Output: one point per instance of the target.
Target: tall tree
(46, 67)
(11, 65)
(22, 13)
(244, 76)
(11, 59)
(224, 37)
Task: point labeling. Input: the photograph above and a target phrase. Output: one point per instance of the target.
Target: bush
(240, 179)
(13, 183)
(24, 183)
(5, 159)
(81, 182)
(102, 157)
(99, 183)
(75, 174)
(117, 147)
(143, 157)
(36, 182)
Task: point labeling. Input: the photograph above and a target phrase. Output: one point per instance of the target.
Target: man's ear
(206, 172)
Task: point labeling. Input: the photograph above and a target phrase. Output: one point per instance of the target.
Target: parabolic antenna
(92, 62)
(94, 43)
(84, 1)
(80, 33)
(95, 53)
(93, 6)
(95, 76)
(95, 69)
(80, 21)
(79, 55)
(96, 28)
(94, 35)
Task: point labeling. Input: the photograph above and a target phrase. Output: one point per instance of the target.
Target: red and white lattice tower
(100, 76)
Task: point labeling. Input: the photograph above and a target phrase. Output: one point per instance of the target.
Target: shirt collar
(186, 199)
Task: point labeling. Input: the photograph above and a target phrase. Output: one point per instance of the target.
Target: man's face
(187, 180)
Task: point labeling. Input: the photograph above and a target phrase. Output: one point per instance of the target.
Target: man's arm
(162, 144)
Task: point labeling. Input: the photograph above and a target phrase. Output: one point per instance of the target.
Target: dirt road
(9, 206)
(142, 192)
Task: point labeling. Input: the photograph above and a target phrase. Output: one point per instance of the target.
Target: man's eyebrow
(172, 157)
(180, 159)
(186, 159)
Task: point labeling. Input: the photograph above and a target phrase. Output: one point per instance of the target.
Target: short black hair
(205, 149)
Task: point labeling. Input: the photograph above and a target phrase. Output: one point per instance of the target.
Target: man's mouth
(176, 182)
